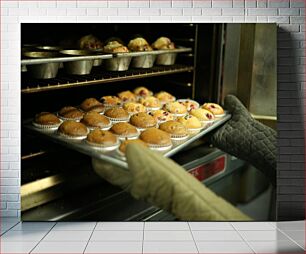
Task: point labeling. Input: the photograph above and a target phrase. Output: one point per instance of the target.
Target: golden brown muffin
(73, 129)
(139, 44)
(202, 114)
(117, 113)
(150, 102)
(133, 107)
(122, 147)
(93, 119)
(164, 97)
(216, 109)
(154, 136)
(189, 121)
(174, 128)
(46, 118)
(142, 91)
(175, 108)
(143, 120)
(161, 115)
(163, 43)
(100, 137)
(90, 42)
(71, 113)
(110, 101)
(92, 104)
(124, 129)
(115, 47)
(127, 96)
(189, 104)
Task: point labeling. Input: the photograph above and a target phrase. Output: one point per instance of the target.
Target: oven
(59, 184)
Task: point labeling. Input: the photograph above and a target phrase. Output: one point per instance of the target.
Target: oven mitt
(165, 184)
(247, 139)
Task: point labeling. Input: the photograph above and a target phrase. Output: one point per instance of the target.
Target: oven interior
(58, 184)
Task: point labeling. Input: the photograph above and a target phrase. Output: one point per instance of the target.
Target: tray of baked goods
(103, 128)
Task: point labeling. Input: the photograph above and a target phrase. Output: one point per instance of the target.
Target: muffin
(175, 108)
(142, 91)
(161, 115)
(117, 114)
(92, 104)
(133, 107)
(150, 102)
(72, 129)
(46, 120)
(192, 123)
(90, 42)
(94, 120)
(142, 120)
(175, 129)
(139, 44)
(111, 101)
(115, 47)
(156, 139)
(163, 43)
(101, 138)
(216, 109)
(164, 97)
(205, 116)
(124, 130)
(70, 113)
(122, 147)
(189, 104)
(127, 96)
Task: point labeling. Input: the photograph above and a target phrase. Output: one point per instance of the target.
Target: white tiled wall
(289, 14)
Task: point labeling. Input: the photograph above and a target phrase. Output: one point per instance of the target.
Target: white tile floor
(152, 237)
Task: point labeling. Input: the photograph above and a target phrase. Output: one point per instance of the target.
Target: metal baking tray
(113, 156)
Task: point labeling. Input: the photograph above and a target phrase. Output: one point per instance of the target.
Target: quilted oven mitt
(247, 139)
(165, 184)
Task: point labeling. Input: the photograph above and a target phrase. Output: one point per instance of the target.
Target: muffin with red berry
(150, 102)
(175, 108)
(161, 115)
(189, 104)
(164, 97)
(192, 123)
(216, 109)
(111, 101)
(127, 96)
(142, 91)
(205, 116)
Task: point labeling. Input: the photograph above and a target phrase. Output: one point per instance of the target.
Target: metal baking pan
(113, 156)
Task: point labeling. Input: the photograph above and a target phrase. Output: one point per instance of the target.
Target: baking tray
(113, 156)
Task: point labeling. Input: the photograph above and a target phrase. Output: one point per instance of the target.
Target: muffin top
(46, 118)
(163, 43)
(142, 91)
(174, 128)
(134, 107)
(111, 100)
(95, 120)
(123, 145)
(189, 104)
(216, 109)
(142, 120)
(139, 44)
(175, 108)
(161, 115)
(91, 104)
(189, 121)
(73, 129)
(127, 96)
(117, 113)
(124, 129)
(155, 136)
(70, 112)
(202, 114)
(102, 137)
(150, 102)
(115, 47)
(90, 42)
(164, 97)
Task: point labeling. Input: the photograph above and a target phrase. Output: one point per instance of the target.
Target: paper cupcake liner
(143, 129)
(131, 136)
(153, 108)
(103, 147)
(193, 131)
(220, 116)
(178, 115)
(178, 139)
(77, 119)
(72, 137)
(160, 148)
(105, 128)
(165, 102)
(118, 120)
(101, 113)
(47, 127)
(206, 124)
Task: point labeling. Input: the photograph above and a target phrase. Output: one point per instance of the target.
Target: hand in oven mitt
(165, 184)
(247, 139)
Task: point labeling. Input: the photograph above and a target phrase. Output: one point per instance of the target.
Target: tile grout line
(10, 228)
(290, 238)
(143, 232)
(193, 237)
(42, 238)
(90, 237)
(244, 240)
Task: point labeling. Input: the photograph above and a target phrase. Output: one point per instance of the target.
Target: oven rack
(98, 76)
